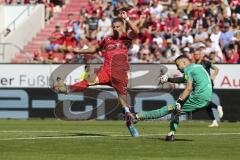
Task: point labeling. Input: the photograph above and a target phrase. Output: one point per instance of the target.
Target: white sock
(126, 109)
(170, 133)
(215, 121)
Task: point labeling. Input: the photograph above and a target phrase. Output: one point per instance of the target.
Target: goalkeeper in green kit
(196, 95)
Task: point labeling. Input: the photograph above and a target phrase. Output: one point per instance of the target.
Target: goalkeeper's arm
(177, 80)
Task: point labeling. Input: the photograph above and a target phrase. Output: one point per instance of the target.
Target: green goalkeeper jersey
(202, 87)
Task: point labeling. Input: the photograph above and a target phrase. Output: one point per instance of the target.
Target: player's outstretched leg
(160, 113)
(60, 87)
(154, 114)
(79, 86)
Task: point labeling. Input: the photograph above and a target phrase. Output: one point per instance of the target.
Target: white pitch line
(58, 137)
(17, 131)
(186, 134)
(96, 136)
(46, 131)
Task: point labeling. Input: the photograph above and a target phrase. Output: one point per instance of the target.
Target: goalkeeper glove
(163, 79)
(179, 104)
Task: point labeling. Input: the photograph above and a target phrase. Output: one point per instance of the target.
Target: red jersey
(115, 52)
(69, 26)
(70, 41)
(57, 38)
(234, 58)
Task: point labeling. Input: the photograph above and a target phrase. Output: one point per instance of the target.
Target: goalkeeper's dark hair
(181, 57)
(118, 19)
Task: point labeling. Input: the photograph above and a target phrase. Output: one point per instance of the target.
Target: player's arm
(89, 50)
(134, 29)
(165, 78)
(215, 72)
(177, 80)
(187, 91)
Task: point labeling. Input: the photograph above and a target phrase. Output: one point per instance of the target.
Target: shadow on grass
(163, 139)
(178, 140)
(77, 135)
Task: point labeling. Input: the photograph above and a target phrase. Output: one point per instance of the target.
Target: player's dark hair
(197, 49)
(118, 19)
(181, 57)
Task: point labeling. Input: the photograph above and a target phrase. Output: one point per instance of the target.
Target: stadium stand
(33, 47)
(168, 29)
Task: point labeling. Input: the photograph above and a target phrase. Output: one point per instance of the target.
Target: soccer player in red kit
(115, 67)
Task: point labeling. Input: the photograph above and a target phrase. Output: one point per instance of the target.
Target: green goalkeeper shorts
(194, 103)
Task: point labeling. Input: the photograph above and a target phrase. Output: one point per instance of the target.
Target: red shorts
(117, 80)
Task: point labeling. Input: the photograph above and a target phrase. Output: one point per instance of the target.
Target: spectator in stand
(182, 5)
(231, 55)
(235, 9)
(186, 24)
(55, 40)
(235, 21)
(136, 45)
(144, 54)
(172, 22)
(69, 42)
(92, 26)
(172, 51)
(226, 36)
(215, 39)
(156, 8)
(157, 57)
(158, 39)
(237, 42)
(96, 5)
(187, 38)
(201, 36)
(213, 58)
(175, 38)
(104, 27)
(186, 52)
(72, 26)
(200, 20)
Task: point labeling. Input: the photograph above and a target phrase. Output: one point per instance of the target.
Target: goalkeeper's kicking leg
(155, 114)
(189, 105)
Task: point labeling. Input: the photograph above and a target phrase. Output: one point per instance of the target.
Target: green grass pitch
(109, 140)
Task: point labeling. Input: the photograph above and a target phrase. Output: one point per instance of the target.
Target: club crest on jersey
(170, 107)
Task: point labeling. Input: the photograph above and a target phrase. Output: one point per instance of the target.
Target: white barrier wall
(12, 12)
(25, 32)
(2, 18)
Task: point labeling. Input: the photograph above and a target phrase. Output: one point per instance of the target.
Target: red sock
(79, 86)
